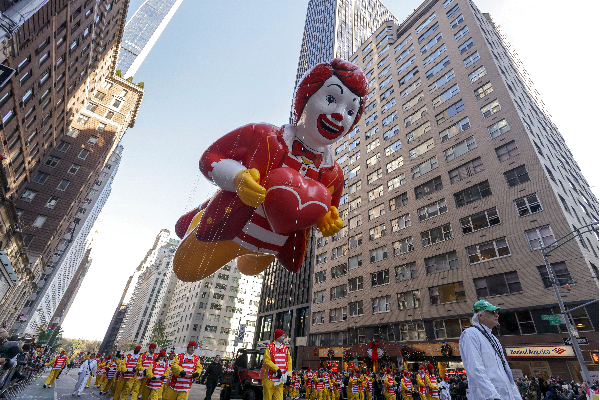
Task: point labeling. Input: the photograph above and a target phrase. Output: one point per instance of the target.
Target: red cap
(108, 357)
(62, 352)
(152, 346)
(429, 366)
(388, 370)
(279, 333)
(406, 373)
(192, 343)
(138, 348)
(162, 353)
(421, 367)
(308, 369)
(172, 353)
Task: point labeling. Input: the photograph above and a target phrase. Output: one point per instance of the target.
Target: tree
(159, 335)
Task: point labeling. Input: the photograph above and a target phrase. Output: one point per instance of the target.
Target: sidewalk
(36, 390)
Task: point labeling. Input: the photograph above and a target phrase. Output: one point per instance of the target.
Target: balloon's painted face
(330, 112)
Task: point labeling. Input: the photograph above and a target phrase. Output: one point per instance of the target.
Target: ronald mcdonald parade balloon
(275, 182)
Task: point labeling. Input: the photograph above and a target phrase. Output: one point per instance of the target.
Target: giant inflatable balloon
(275, 182)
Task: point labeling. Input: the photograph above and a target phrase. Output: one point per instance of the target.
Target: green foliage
(118, 72)
(141, 84)
(159, 335)
(130, 79)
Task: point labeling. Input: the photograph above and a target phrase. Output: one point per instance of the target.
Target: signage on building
(517, 373)
(435, 349)
(338, 352)
(301, 340)
(540, 351)
(581, 340)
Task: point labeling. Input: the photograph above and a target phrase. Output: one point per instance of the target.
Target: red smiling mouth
(327, 128)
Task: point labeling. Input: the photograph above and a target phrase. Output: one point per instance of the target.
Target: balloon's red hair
(351, 75)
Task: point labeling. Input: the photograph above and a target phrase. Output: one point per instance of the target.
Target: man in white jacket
(86, 369)
(488, 372)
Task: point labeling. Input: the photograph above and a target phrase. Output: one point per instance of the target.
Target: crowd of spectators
(554, 388)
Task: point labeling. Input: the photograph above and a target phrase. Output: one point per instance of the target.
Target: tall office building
(333, 28)
(456, 177)
(134, 292)
(212, 310)
(142, 31)
(71, 252)
(63, 113)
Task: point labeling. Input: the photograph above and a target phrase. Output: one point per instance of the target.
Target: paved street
(63, 387)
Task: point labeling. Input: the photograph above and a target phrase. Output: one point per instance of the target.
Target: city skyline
(175, 193)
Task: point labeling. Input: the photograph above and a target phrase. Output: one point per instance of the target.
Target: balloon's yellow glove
(331, 223)
(248, 187)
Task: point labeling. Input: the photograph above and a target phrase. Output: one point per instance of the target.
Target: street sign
(552, 317)
(581, 340)
(556, 322)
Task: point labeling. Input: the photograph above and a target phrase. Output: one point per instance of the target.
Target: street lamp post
(546, 250)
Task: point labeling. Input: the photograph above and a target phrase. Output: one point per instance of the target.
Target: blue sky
(222, 64)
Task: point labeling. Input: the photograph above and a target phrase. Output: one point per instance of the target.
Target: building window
(400, 223)
(483, 91)
(398, 201)
(339, 251)
(83, 154)
(436, 235)
(377, 232)
(356, 308)
(441, 262)
(381, 304)
(490, 109)
(28, 195)
(471, 59)
(516, 176)
(40, 178)
(92, 140)
(412, 331)
(448, 94)
(516, 323)
(403, 246)
(376, 212)
(28, 238)
(52, 202)
(52, 161)
(338, 314)
(561, 273)
(539, 237)
(318, 318)
(73, 169)
(355, 262)
(374, 176)
(355, 221)
(450, 112)
(466, 170)
(338, 271)
(527, 205)
(481, 220)
(101, 127)
(460, 148)
(450, 328)
(421, 149)
(496, 285)
(507, 151)
(472, 194)
(39, 221)
(338, 292)
(396, 182)
(62, 186)
(408, 300)
(355, 284)
(380, 278)
(355, 241)
(487, 251)
(378, 254)
(447, 293)
(417, 133)
(356, 203)
(320, 276)
(424, 167)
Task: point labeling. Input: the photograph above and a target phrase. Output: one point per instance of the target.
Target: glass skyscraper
(337, 28)
(142, 31)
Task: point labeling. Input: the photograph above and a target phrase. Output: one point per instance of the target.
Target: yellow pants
(52, 377)
(335, 395)
(307, 393)
(88, 381)
(326, 394)
(137, 387)
(423, 396)
(170, 394)
(369, 395)
(118, 388)
(106, 385)
(352, 396)
(406, 396)
(314, 394)
(361, 396)
(99, 380)
(271, 392)
(146, 391)
(127, 387)
(154, 394)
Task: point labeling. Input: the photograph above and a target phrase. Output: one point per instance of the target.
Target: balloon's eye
(330, 99)
(351, 112)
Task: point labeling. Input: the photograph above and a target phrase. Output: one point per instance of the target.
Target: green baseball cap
(484, 305)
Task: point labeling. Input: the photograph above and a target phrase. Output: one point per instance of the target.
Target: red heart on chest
(293, 202)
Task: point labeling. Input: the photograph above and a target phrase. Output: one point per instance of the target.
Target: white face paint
(328, 114)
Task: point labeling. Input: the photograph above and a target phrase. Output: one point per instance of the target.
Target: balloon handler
(275, 182)
(277, 367)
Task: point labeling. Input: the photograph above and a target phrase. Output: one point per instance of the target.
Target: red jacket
(259, 146)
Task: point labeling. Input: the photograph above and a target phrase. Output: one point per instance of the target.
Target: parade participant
(101, 372)
(432, 384)
(119, 379)
(390, 385)
(318, 380)
(361, 392)
(110, 374)
(308, 384)
(156, 375)
(242, 220)
(214, 375)
(421, 379)
(296, 385)
(326, 384)
(488, 373)
(445, 389)
(87, 369)
(58, 363)
(336, 382)
(147, 360)
(277, 363)
(131, 364)
(407, 387)
(369, 386)
(185, 368)
(354, 386)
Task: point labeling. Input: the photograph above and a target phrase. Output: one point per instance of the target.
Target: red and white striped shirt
(147, 360)
(279, 356)
(158, 369)
(59, 362)
(188, 364)
(433, 392)
(131, 361)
